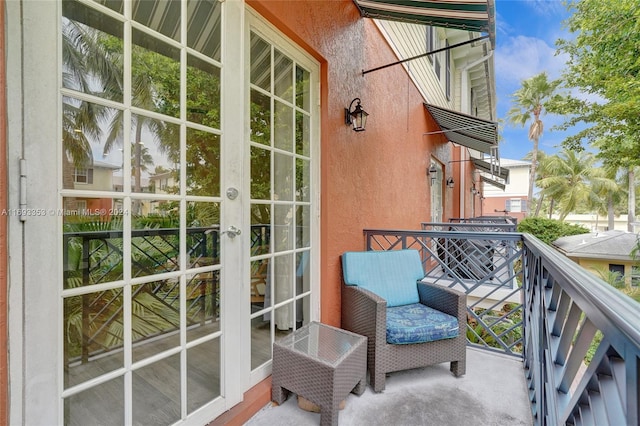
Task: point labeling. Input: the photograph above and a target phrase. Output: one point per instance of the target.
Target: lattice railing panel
(485, 266)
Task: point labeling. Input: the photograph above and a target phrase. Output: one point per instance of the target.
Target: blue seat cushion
(418, 323)
(391, 275)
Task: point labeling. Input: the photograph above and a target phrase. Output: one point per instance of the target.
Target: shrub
(549, 230)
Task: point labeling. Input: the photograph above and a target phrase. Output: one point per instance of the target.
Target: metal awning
(469, 15)
(466, 130)
(492, 169)
(493, 182)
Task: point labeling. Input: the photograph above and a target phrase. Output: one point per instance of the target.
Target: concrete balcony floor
(493, 392)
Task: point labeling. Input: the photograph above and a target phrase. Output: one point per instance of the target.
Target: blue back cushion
(391, 275)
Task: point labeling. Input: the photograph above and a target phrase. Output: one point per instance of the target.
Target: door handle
(232, 232)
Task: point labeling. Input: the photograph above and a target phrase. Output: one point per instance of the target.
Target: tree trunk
(610, 214)
(550, 208)
(137, 169)
(539, 205)
(532, 172)
(631, 217)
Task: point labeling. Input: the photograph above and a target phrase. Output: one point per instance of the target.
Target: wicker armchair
(375, 283)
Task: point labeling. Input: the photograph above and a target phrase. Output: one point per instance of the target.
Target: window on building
(434, 43)
(82, 175)
(447, 65)
(81, 205)
(618, 272)
(472, 103)
(635, 275)
(515, 205)
(616, 268)
(429, 40)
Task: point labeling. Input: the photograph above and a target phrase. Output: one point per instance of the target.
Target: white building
(511, 198)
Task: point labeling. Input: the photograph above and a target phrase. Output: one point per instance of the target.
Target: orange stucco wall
(3, 230)
(371, 179)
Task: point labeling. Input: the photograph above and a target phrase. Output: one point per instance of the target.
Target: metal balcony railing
(476, 224)
(477, 263)
(570, 316)
(578, 337)
(96, 257)
(506, 220)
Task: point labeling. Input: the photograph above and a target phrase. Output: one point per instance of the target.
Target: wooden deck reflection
(156, 386)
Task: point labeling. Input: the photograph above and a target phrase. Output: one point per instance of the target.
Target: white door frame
(233, 261)
(34, 268)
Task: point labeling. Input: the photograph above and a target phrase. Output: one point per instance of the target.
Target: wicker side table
(322, 364)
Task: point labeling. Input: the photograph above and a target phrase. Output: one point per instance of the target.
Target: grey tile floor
(492, 392)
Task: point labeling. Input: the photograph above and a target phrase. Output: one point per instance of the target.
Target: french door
(283, 203)
(185, 209)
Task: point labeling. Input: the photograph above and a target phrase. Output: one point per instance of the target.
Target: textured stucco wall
(599, 266)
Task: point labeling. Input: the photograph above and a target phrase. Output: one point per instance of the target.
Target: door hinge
(23, 189)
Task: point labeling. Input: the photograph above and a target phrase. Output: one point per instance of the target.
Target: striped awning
(466, 130)
(470, 15)
(492, 169)
(493, 182)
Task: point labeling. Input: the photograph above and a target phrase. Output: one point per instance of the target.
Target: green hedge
(549, 230)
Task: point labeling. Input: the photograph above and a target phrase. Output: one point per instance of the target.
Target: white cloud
(526, 34)
(546, 7)
(522, 57)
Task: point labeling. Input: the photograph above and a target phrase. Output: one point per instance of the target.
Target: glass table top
(321, 341)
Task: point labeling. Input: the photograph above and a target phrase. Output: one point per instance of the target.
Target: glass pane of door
(280, 116)
(141, 170)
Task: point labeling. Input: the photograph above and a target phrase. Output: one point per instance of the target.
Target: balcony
(548, 343)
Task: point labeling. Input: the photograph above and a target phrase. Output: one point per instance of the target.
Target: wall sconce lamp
(357, 117)
(474, 191)
(432, 172)
(450, 182)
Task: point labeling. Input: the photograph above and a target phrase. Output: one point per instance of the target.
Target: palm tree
(89, 68)
(145, 91)
(613, 198)
(631, 204)
(573, 181)
(529, 102)
(144, 160)
(542, 171)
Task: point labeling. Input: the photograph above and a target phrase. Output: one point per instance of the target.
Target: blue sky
(526, 31)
